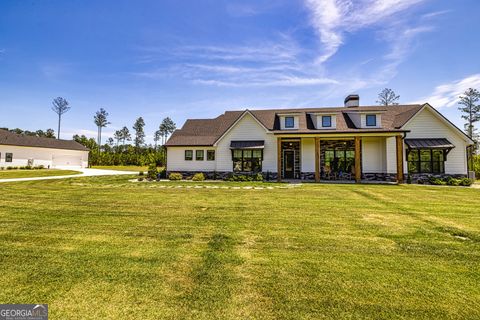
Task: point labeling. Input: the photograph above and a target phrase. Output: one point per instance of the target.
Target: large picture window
(426, 161)
(247, 160)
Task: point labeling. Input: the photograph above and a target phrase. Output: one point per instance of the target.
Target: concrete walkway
(85, 172)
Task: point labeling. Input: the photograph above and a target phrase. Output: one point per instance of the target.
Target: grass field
(123, 168)
(105, 248)
(11, 174)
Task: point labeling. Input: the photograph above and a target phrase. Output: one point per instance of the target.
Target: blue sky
(196, 59)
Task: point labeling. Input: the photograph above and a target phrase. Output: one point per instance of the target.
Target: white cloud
(333, 18)
(447, 95)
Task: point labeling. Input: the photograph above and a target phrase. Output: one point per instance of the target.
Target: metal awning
(254, 144)
(434, 143)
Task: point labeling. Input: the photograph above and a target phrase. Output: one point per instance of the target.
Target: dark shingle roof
(205, 132)
(13, 139)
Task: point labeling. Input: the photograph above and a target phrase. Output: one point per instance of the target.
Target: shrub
(141, 173)
(258, 177)
(240, 178)
(40, 167)
(409, 179)
(198, 177)
(152, 171)
(162, 174)
(466, 182)
(175, 176)
(140, 179)
(436, 181)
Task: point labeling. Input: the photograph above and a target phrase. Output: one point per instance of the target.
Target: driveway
(85, 172)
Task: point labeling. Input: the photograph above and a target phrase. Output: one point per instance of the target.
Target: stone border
(197, 186)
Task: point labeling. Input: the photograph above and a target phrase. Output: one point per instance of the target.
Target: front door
(289, 165)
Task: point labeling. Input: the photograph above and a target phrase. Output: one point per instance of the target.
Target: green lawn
(105, 248)
(123, 168)
(11, 174)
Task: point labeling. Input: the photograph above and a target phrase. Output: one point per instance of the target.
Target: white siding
(176, 160)
(43, 156)
(307, 150)
(247, 129)
(427, 124)
(374, 155)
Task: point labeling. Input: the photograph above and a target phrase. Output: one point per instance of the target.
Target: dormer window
(289, 122)
(326, 121)
(371, 120)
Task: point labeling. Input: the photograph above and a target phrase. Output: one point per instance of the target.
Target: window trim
(419, 162)
(9, 157)
(199, 155)
(293, 122)
(330, 121)
(370, 116)
(210, 152)
(191, 157)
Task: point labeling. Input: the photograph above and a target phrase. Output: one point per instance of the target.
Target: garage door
(67, 161)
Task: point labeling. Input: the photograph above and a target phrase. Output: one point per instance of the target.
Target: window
(289, 122)
(8, 157)
(326, 121)
(247, 160)
(188, 155)
(199, 155)
(426, 161)
(371, 120)
(210, 155)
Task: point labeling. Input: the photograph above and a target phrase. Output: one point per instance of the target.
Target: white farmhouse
(353, 142)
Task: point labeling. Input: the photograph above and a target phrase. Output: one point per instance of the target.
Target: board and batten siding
(247, 128)
(427, 124)
(176, 160)
(43, 156)
(374, 155)
(307, 150)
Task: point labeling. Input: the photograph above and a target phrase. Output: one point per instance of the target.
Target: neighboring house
(344, 143)
(21, 150)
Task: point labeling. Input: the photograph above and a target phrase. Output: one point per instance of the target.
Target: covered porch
(342, 158)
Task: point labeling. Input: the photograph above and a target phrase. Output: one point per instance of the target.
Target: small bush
(141, 173)
(258, 177)
(40, 167)
(140, 179)
(466, 182)
(198, 177)
(152, 172)
(162, 174)
(436, 181)
(175, 176)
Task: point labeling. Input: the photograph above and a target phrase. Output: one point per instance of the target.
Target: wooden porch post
(317, 159)
(358, 161)
(399, 159)
(279, 159)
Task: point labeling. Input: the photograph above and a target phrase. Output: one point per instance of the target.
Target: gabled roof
(13, 139)
(206, 132)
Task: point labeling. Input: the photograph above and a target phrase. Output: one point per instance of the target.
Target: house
(353, 142)
(21, 150)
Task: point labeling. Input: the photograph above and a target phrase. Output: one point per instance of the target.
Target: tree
(60, 106)
(118, 136)
(110, 142)
(50, 133)
(101, 121)
(470, 110)
(387, 97)
(166, 128)
(139, 126)
(126, 136)
(156, 137)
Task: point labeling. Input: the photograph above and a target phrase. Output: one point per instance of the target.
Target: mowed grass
(105, 248)
(123, 168)
(11, 174)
